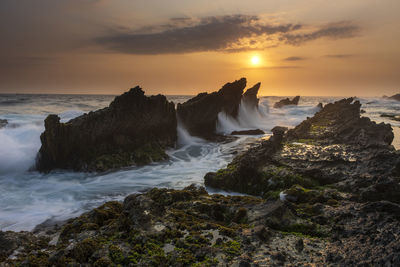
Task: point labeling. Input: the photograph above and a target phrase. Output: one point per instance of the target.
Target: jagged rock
(341, 123)
(134, 129)
(336, 146)
(250, 96)
(287, 101)
(394, 97)
(199, 114)
(248, 132)
(189, 227)
(279, 130)
(3, 123)
(320, 105)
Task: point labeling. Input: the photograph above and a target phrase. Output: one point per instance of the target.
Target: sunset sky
(306, 47)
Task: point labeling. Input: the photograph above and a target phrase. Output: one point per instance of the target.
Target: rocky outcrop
(189, 227)
(134, 130)
(287, 102)
(248, 132)
(199, 114)
(341, 123)
(394, 117)
(3, 123)
(394, 97)
(250, 96)
(336, 146)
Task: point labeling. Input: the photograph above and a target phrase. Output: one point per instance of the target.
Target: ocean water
(28, 198)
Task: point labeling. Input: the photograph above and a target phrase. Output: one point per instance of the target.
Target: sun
(255, 60)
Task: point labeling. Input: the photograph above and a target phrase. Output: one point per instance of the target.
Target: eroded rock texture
(134, 129)
(199, 115)
(287, 102)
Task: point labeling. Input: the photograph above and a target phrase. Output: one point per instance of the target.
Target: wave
(263, 117)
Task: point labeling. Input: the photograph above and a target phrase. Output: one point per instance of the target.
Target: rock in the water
(287, 101)
(394, 97)
(341, 123)
(250, 96)
(134, 129)
(248, 132)
(391, 116)
(336, 145)
(199, 115)
(3, 123)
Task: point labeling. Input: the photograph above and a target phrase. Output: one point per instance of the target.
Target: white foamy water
(28, 198)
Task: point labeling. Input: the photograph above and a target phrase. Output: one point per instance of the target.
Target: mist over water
(28, 198)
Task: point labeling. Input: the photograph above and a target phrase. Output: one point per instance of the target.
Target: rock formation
(340, 123)
(395, 117)
(287, 101)
(248, 132)
(250, 96)
(199, 114)
(189, 227)
(336, 146)
(134, 129)
(330, 196)
(3, 123)
(394, 97)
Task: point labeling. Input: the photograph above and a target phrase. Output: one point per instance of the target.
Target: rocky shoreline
(325, 193)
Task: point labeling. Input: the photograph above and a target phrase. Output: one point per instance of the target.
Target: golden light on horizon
(255, 60)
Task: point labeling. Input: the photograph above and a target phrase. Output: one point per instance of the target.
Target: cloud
(233, 33)
(295, 58)
(273, 67)
(334, 31)
(340, 56)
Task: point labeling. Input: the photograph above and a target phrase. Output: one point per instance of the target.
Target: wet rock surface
(334, 146)
(248, 132)
(250, 96)
(339, 177)
(287, 102)
(326, 193)
(164, 227)
(199, 114)
(189, 227)
(394, 97)
(134, 130)
(3, 123)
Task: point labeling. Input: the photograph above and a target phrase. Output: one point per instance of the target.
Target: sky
(300, 47)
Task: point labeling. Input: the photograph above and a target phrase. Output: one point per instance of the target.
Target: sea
(29, 198)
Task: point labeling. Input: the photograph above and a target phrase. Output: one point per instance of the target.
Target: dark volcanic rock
(3, 123)
(199, 114)
(287, 101)
(134, 129)
(341, 123)
(336, 145)
(250, 96)
(248, 132)
(391, 116)
(394, 97)
(189, 227)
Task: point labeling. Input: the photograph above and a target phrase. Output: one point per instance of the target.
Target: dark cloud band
(223, 33)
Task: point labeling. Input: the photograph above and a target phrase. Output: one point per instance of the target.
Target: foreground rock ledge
(192, 228)
(134, 130)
